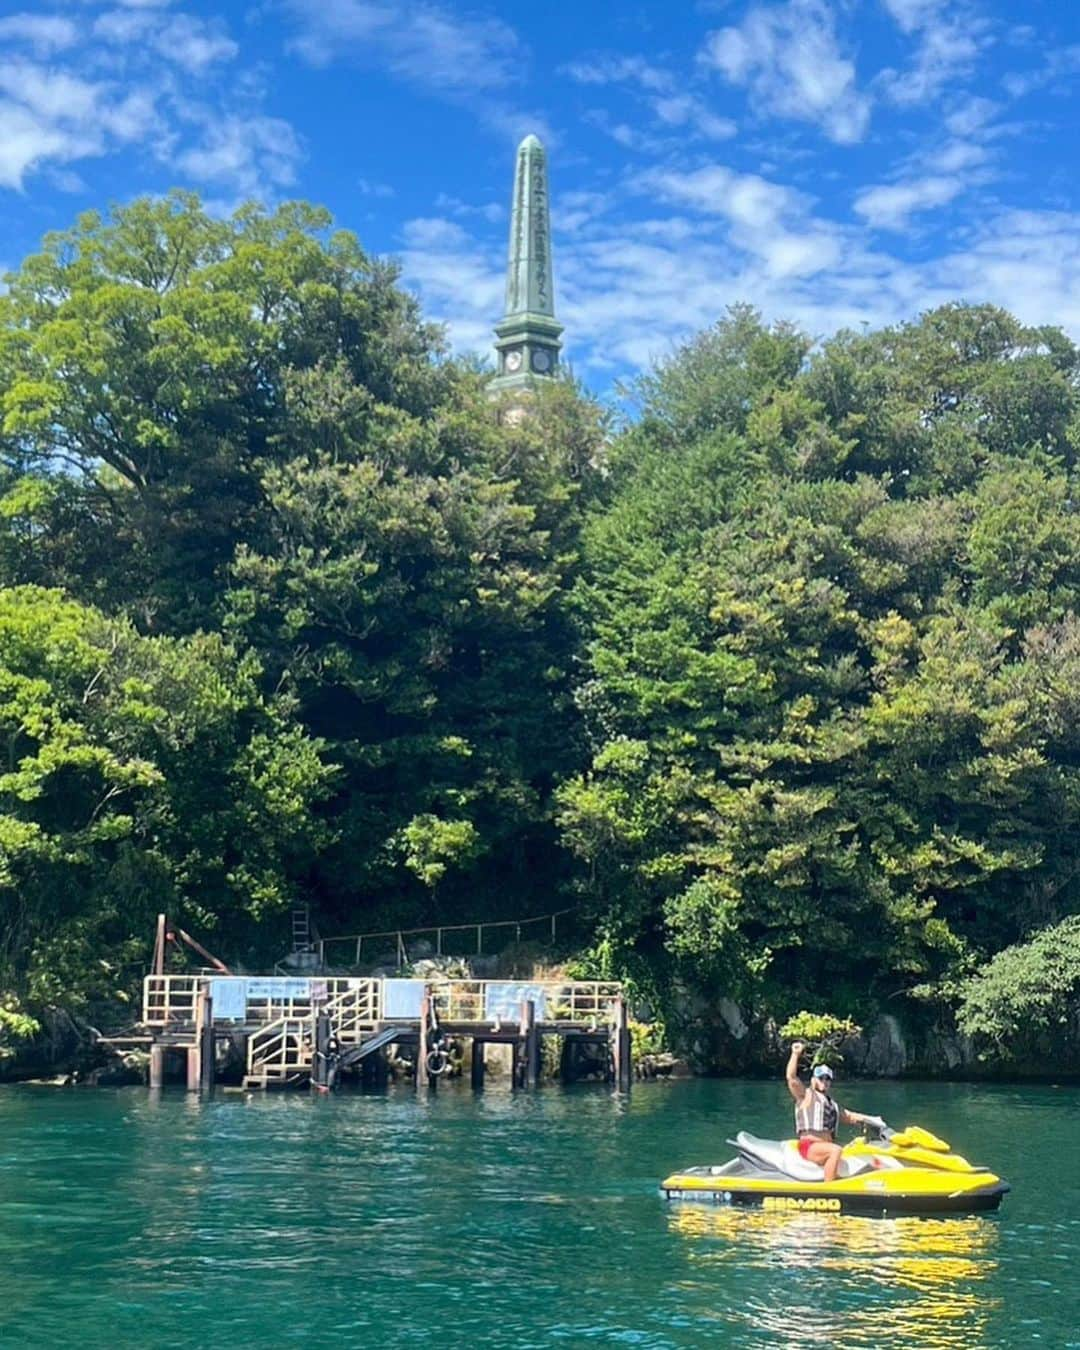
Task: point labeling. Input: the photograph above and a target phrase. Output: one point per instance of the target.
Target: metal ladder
(301, 929)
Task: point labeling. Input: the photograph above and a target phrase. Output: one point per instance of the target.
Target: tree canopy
(777, 681)
(829, 626)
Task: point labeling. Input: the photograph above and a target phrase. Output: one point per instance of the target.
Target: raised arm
(794, 1082)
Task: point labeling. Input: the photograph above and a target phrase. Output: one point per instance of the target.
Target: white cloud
(768, 221)
(492, 212)
(248, 156)
(789, 58)
(1059, 63)
(26, 142)
(193, 44)
(367, 188)
(684, 110)
(912, 14)
(947, 54)
(52, 115)
(138, 76)
(619, 70)
(462, 284)
(44, 34)
(891, 206)
(971, 116)
(422, 42)
(671, 103)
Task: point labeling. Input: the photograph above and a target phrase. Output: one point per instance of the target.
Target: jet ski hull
(880, 1194)
(911, 1172)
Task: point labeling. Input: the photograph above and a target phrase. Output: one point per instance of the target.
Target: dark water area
(131, 1219)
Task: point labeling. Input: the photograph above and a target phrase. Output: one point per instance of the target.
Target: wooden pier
(312, 1030)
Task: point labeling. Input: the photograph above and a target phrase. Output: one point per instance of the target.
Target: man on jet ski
(817, 1115)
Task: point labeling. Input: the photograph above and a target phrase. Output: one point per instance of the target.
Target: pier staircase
(282, 1051)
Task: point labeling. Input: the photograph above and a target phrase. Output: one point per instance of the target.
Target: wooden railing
(357, 1006)
(279, 1051)
(565, 1000)
(283, 1048)
(354, 1013)
(170, 999)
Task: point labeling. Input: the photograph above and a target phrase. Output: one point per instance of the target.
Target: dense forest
(773, 678)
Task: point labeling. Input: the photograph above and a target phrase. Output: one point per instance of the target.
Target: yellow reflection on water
(917, 1283)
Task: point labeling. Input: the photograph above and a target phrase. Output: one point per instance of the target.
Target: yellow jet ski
(907, 1171)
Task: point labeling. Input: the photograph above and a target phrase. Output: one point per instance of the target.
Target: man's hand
(797, 1047)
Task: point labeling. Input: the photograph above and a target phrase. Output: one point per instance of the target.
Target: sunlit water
(509, 1220)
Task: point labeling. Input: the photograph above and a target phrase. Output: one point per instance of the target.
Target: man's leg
(826, 1155)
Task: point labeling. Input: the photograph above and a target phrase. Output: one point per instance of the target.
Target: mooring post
(530, 1043)
(205, 1036)
(620, 1032)
(157, 1066)
(477, 1063)
(423, 1078)
(320, 1067)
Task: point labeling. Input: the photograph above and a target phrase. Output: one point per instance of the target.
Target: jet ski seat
(782, 1155)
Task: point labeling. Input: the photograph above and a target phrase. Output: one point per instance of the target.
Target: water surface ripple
(131, 1219)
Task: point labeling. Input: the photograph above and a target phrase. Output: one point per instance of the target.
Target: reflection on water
(930, 1276)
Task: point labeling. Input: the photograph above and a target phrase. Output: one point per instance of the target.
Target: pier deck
(299, 1029)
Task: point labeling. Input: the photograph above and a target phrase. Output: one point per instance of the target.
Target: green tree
(827, 626)
(139, 774)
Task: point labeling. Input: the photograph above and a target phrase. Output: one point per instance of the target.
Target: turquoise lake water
(131, 1219)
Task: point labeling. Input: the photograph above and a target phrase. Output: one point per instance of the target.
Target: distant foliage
(1028, 997)
(823, 1034)
(294, 595)
(830, 659)
(778, 686)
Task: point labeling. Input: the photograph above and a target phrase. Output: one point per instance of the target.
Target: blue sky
(835, 162)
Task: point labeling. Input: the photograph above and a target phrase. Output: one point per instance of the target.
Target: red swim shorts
(804, 1145)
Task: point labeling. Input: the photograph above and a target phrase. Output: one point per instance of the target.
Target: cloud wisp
(792, 62)
(139, 77)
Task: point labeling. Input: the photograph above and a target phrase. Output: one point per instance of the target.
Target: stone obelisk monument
(528, 337)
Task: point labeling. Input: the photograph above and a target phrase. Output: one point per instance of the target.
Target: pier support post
(193, 1068)
(320, 1065)
(382, 1067)
(423, 1078)
(204, 1034)
(157, 1066)
(195, 1049)
(530, 1044)
(567, 1059)
(620, 1041)
(477, 1063)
